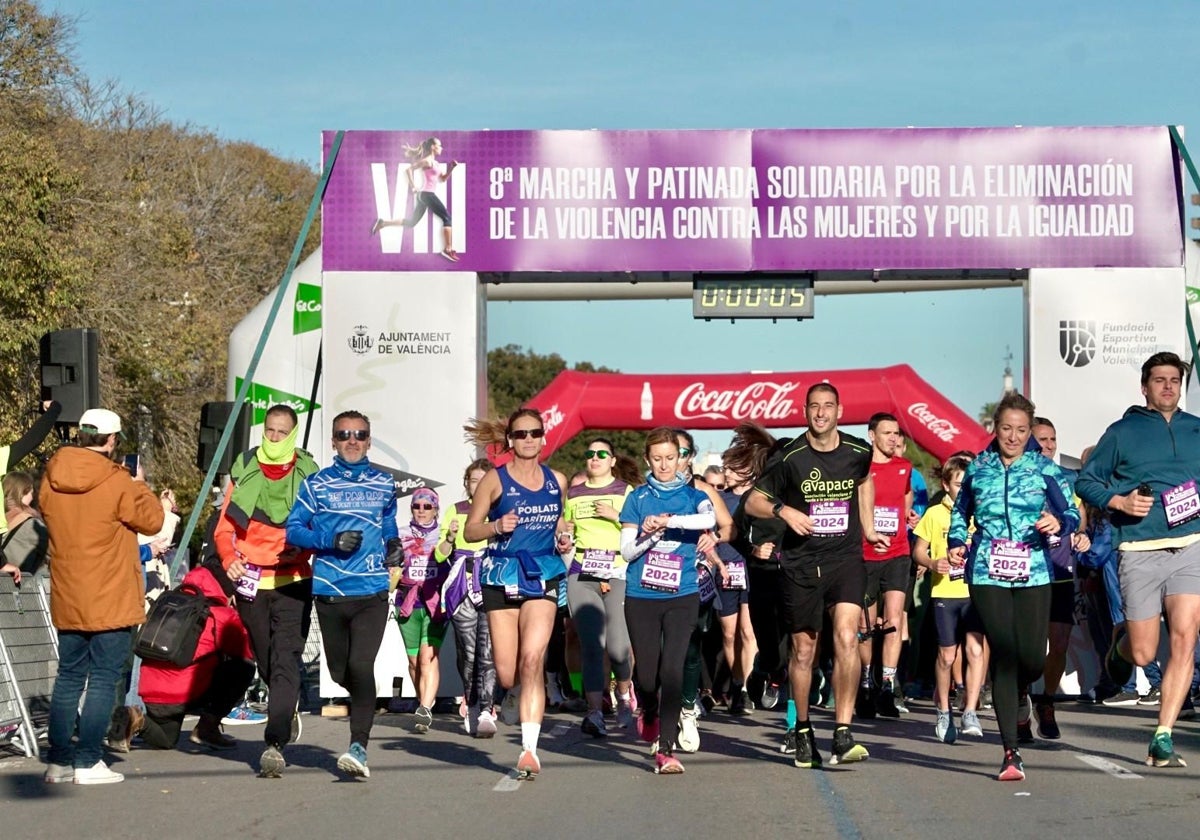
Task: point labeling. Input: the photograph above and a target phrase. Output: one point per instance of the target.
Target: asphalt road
(1092, 783)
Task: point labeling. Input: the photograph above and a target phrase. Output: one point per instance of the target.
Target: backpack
(173, 626)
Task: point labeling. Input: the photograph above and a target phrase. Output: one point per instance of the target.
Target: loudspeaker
(70, 371)
(214, 417)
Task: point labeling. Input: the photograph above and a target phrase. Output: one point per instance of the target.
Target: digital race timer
(752, 296)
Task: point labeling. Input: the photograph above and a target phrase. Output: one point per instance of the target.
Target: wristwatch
(778, 506)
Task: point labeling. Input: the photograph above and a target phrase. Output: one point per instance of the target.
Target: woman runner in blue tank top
(519, 508)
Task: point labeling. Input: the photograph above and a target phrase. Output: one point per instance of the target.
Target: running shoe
(958, 697)
(666, 764)
(1024, 725)
(207, 733)
(885, 703)
(1013, 769)
(901, 703)
(375, 227)
(770, 695)
(593, 724)
(864, 703)
(707, 702)
(528, 765)
(985, 697)
(624, 715)
(1153, 698)
(353, 762)
(485, 727)
(271, 763)
(452, 255)
(422, 719)
(1047, 725)
(647, 730)
(1118, 667)
(970, 724)
(689, 731)
(1122, 698)
(944, 728)
(740, 703)
(788, 747)
(1162, 752)
(806, 753)
(845, 748)
(243, 715)
(98, 774)
(510, 709)
(1188, 710)
(554, 695)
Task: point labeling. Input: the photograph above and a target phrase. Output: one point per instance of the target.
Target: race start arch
(575, 401)
(416, 236)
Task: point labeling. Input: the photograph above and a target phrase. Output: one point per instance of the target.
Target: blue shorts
(954, 618)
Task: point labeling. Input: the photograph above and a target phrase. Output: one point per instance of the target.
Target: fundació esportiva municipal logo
(1077, 342)
(360, 342)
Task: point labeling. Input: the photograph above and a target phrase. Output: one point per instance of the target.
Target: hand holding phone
(132, 464)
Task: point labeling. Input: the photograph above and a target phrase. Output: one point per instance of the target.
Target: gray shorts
(1147, 577)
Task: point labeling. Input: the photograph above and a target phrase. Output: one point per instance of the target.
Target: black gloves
(394, 558)
(347, 542)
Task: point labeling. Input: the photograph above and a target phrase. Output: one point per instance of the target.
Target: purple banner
(761, 200)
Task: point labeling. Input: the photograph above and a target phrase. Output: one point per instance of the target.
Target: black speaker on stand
(214, 417)
(70, 372)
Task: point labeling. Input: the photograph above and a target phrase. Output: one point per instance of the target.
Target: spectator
(26, 542)
(31, 440)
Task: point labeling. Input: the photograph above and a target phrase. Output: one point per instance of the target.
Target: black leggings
(766, 617)
(1016, 623)
(351, 632)
(427, 201)
(230, 679)
(659, 630)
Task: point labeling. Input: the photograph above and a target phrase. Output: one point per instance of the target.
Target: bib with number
(957, 572)
(830, 518)
(1009, 561)
(247, 585)
(597, 563)
(737, 574)
(887, 520)
(662, 571)
(421, 568)
(1182, 503)
(708, 586)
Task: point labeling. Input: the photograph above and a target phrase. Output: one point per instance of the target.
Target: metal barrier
(28, 662)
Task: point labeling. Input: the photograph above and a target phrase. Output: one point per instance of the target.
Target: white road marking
(508, 783)
(1114, 770)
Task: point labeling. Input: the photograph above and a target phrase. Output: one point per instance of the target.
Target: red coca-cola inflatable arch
(575, 401)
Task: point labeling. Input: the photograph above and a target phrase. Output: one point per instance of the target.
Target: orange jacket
(94, 511)
(260, 543)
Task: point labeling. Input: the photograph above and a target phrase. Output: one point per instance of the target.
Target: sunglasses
(521, 434)
(684, 452)
(345, 434)
(423, 506)
(596, 453)
(718, 486)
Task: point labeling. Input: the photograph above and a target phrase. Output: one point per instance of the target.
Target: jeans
(97, 661)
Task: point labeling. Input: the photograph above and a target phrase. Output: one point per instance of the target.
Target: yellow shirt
(933, 528)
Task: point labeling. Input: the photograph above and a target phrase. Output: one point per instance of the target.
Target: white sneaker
(486, 726)
(510, 709)
(59, 774)
(97, 774)
(689, 732)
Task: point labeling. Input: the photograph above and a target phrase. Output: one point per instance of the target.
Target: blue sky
(277, 73)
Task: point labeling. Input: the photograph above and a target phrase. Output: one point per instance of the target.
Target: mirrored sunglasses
(345, 434)
(596, 453)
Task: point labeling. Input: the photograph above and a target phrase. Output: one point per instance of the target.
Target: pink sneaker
(648, 732)
(666, 764)
(450, 254)
(528, 765)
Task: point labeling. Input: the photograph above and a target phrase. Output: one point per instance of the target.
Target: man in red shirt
(889, 567)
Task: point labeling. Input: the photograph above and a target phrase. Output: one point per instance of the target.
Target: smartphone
(131, 464)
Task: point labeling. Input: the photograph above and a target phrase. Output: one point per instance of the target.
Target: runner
(1018, 498)
(822, 489)
(596, 580)
(888, 568)
(1144, 470)
(661, 523)
(737, 633)
(955, 619)
(519, 507)
(462, 597)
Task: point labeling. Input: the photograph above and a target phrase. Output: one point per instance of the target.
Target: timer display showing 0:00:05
(735, 296)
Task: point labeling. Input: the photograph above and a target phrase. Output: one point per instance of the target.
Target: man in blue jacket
(345, 514)
(1144, 470)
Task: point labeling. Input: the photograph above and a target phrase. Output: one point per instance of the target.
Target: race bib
(598, 563)
(737, 574)
(957, 572)
(708, 586)
(662, 571)
(247, 585)
(1182, 503)
(1009, 561)
(887, 520)
(830, 518)
(421, 568)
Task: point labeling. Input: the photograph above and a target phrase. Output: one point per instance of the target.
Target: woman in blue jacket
(1020, 501)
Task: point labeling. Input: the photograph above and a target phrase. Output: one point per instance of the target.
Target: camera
(1145, 489)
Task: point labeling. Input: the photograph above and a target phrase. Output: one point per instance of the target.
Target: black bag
(173, 626)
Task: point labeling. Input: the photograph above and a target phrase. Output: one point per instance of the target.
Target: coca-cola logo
(757, 401)
(551, 417)
(942, 429)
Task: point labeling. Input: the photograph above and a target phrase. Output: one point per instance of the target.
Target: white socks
(530, 732)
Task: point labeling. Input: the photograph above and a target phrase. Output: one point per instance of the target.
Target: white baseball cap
(100, 421)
